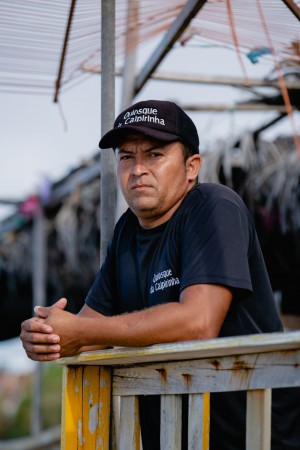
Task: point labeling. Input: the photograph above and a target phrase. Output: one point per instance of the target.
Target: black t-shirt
(210, 239)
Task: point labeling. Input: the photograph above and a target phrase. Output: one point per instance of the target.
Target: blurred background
(233, 66)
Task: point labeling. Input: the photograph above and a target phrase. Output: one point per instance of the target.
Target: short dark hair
(186, 151)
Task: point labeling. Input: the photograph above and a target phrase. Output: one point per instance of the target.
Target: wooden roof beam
(191, 8)
(269, 124)
(222, 80)
(293, 7)
(236, 107)
(203, 79)
(64, 51)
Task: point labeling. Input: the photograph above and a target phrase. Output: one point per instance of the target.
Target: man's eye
(154, 154)
(125, 157)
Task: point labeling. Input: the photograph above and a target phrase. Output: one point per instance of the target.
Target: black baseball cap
(158, 119)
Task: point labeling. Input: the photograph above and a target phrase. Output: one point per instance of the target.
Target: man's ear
(193, 164)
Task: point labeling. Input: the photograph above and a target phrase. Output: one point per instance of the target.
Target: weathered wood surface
(198, 423)
(255, 364)
(227, 373)
(237, 345)
(86, 408)
(170, 422)
(258, 428)
(129, 424)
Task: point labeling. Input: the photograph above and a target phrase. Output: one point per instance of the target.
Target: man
(184, 263)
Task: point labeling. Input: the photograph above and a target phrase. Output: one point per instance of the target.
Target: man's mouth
(141, 186)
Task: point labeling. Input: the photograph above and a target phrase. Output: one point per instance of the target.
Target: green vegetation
(15, 411)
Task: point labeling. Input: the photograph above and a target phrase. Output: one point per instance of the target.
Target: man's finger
(35, 325)
(43, 357)
(38, 349)
(38, 338)
(42, 311)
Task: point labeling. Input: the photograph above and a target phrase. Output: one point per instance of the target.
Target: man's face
(153, 177)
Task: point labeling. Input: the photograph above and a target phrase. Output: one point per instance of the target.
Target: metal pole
(108, 179)
(39, 298)
(130, 53)
(128, 77)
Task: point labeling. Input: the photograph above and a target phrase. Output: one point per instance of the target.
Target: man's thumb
(61, 303)
(43, 311)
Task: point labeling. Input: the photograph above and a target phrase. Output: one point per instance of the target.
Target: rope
(235, 40)
(281, 80)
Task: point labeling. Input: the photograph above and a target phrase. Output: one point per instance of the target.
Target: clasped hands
(52, 334)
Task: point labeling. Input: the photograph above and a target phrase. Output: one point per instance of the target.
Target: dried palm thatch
(265, 174)
(72, 240)
(278, 184)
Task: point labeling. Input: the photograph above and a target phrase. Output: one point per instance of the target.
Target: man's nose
(138, 166)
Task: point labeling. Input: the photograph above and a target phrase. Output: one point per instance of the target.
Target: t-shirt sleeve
(102, 295)
(215, 246)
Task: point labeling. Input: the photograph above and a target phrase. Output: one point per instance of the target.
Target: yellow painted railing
(100, 389)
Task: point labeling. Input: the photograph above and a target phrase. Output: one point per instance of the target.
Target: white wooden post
(258, 434)
(129, 424)
(199, 415)
(170, 420)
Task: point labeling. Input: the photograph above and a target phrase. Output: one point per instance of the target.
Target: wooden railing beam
(255, 364)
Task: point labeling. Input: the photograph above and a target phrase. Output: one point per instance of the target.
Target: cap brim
(112, 138)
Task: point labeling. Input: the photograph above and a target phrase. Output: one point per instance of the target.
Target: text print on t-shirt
(163, 280)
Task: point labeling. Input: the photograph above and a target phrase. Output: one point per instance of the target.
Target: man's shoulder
(213, 192)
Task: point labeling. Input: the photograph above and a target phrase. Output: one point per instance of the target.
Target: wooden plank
(228, 373)
(170, 419)
(258, 431)
(103, 430)
(199, 420)
(202, 79)
(90, 406)
(237, 345)
(188, 12)
(291, 4)
(115, 423)
(129, 424)
(235, 107)
(71, 437)
(220, 80)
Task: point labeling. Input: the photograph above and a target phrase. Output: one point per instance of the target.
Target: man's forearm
(199, 314)
(163, 323)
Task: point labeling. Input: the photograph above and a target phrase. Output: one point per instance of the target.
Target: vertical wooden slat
(206, 420)
(115, 423)
(129, 423)
(102, 439)
(64, 406)
(90, 406)
(258, 434)
(71, 437)
(170, 417)
(199, 418)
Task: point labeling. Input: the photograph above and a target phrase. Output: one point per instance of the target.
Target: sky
(41, 139)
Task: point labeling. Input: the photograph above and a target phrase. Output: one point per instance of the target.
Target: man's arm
(40, 341)
(199, 315)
